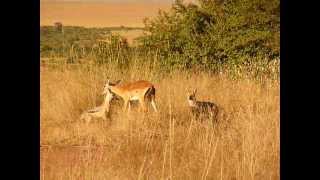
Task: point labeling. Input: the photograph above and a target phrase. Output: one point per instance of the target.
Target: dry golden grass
(244, 145)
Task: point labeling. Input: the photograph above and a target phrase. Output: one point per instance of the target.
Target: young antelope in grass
(100, 111)
(203, 108)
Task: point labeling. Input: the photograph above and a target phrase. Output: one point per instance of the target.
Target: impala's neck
(116, 90)
(107, 99)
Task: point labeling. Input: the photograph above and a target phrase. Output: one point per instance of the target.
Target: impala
(142, 91)
(98, 112)
(204, 108)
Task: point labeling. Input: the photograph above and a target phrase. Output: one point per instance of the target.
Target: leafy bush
(215, 32)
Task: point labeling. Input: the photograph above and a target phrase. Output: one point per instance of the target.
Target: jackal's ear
(194, 91)
(188, 91)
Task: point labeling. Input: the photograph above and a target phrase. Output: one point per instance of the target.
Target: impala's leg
(142, 104)
(87, 119)
(104, 116)
(125, 104)
(153, 103)
(129, 106)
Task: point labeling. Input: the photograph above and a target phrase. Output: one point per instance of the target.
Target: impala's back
(139, 90)
(136, 89)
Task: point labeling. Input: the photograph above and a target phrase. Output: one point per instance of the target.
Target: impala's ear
(114, 84)
(107, 78)
(117, 82)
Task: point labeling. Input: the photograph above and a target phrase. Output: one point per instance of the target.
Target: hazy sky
(153, 1)
(110, 13)
(108, 0)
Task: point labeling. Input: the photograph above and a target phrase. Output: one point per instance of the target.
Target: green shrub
(215, 32)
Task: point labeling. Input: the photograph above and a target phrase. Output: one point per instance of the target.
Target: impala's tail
(151, 94)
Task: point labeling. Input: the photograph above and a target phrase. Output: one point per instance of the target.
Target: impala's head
(192, 95)
(107, 86)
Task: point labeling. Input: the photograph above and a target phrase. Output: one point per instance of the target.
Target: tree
(58, 26)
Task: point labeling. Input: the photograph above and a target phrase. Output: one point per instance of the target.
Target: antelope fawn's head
(107, 86)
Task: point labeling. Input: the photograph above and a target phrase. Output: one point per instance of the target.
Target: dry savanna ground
(244, 144)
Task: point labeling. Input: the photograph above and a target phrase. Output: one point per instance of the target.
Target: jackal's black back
(205, 109)
(205, 106)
